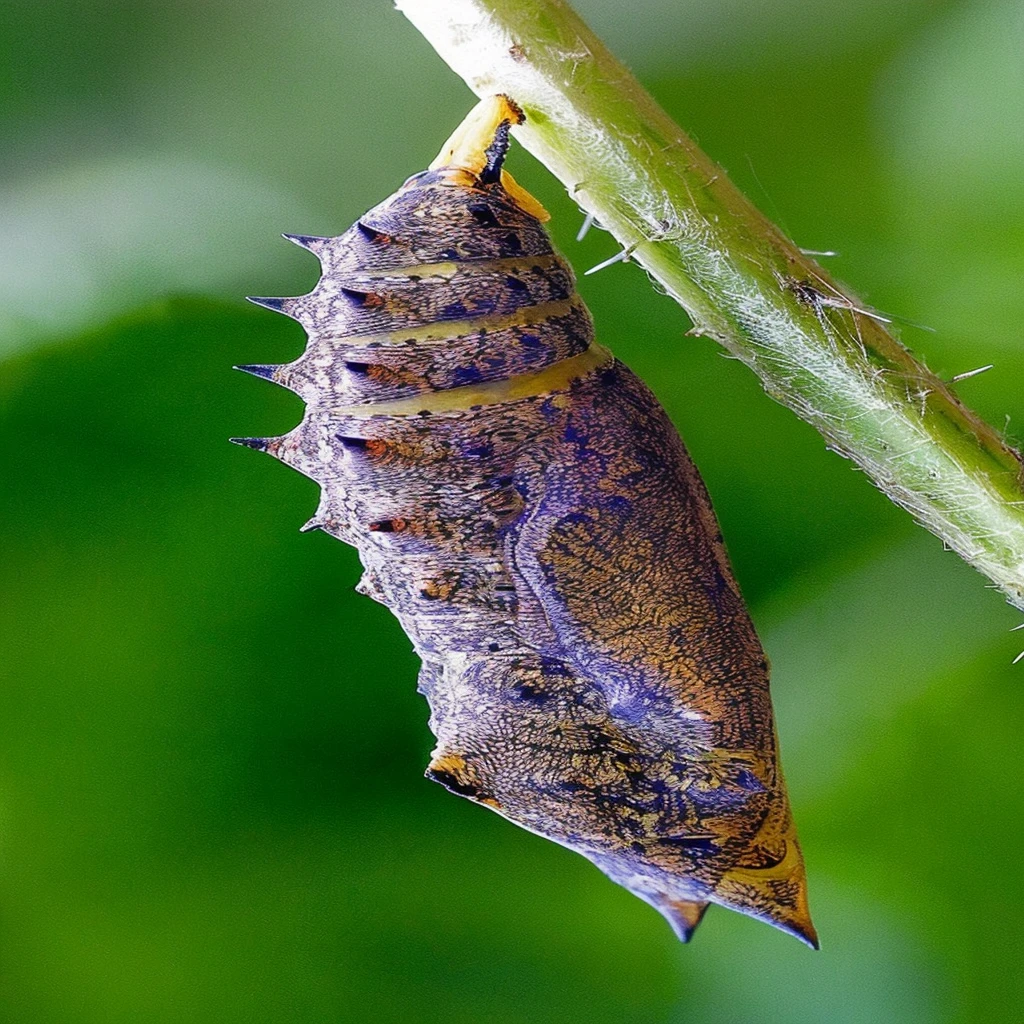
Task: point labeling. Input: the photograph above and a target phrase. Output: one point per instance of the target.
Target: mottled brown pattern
(591, 669)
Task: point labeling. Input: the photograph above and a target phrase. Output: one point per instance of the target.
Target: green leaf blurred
(211, 750)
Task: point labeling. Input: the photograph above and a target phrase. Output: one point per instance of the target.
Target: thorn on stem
(620, 257)
(970, 373)
(588, 223)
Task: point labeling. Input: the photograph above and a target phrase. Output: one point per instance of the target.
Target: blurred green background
(211, 750)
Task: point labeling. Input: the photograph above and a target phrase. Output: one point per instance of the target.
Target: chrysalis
(523, 504)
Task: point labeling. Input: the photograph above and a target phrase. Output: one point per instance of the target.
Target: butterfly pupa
(525, 507)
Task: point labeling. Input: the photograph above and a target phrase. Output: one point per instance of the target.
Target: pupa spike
(453, 772)
(756, 893)
(286, 306)
(362, 297)
(312, 243)
(288, 448)
(259, 444)
(266, 371)
(684, 916)
(369, 587)
(354, 443)
(372, 233)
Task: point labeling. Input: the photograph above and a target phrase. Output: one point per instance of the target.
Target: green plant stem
(817, 348)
